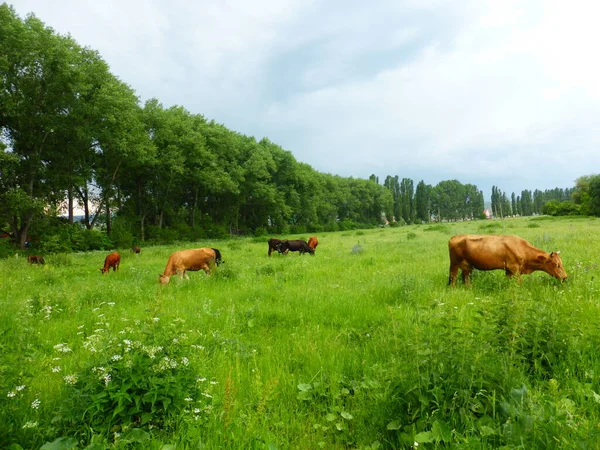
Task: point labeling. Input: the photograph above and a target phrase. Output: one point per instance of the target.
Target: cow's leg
(206, 269)
(270, 250)
(510, 272)
(453, 274)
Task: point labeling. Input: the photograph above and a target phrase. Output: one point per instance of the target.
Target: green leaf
(425, 436)
(330, 417)
(395, 425)
(304, 387)
(441, 431)
(62, 443)
(96, 446)
(134, 435)
(346, 415)
(486, 431)
(303, 396)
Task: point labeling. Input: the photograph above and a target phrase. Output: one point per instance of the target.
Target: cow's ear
(551, 254)
(542, 258)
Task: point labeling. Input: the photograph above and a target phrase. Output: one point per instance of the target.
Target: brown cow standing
(512, 254)
(35, 259)
(113, 260)
(313, 242)
(275, 244)
(196, 259)
(136, 249)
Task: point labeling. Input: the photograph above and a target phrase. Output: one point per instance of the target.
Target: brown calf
(35, 259)
(113, 260)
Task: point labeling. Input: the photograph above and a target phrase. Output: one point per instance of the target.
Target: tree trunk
(70, 205)
(108, 218)
(142, 228)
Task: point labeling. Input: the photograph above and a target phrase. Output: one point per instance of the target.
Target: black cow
(295, 245)
(275, 244)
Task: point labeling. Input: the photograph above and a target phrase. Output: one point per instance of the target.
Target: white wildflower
(63, 348)
(106, 379)
(111, 303)
(11, 394)
(36, 403)
(30, 425)
(214, 382)
(20, 388)
(197, 411)
(70, 379)
(56, 369)
(155, 319)
(206, 394)
(116, 357)
(185, 361)
(189, 399)
(200, 380)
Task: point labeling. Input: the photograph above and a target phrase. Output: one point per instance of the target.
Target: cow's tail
(218, 259)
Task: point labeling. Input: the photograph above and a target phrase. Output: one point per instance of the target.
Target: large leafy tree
(40, 89)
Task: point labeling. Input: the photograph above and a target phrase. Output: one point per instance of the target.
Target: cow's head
(164, 279)
(552, 265)
(103, 270)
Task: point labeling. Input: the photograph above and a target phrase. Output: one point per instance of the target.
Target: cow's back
(487, 252)
(194, 259)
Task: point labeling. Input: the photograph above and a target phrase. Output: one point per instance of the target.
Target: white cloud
(502, 93)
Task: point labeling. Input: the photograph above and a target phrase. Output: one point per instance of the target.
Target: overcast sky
(488, 92)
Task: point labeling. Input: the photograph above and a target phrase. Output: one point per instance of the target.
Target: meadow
(362, 346)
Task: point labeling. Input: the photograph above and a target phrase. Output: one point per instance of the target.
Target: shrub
(148, 375)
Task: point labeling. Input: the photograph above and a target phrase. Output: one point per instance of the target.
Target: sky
(489, 92)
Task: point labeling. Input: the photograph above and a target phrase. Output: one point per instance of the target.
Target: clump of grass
(61, 260)
(411, 235)
(441, 227)
(533, 225)
(492, 226)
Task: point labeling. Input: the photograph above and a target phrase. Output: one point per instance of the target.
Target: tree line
(72, 133)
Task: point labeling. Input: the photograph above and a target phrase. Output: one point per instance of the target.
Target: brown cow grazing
(313, 242)
(196, 259)
(113, 260)
(136, 249)
(275, 244)
(512, 254)
(295, 245)
(35, 259)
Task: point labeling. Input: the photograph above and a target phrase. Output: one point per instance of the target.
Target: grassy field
(362, 346)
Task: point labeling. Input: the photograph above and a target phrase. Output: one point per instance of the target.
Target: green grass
(347, 349)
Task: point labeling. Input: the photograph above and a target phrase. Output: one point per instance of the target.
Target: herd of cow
(512, 254)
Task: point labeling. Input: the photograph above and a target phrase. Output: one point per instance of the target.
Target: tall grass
(347, 349)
